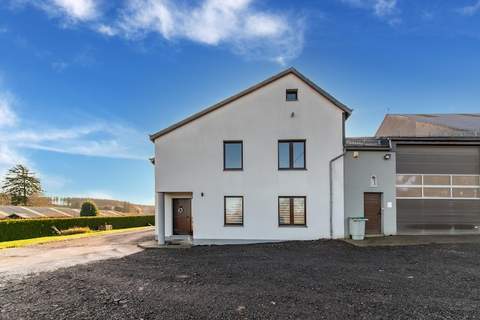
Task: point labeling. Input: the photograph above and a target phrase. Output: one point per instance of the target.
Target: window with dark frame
(292, 95)
(233, 210)
(233, 155)
(292, 211)
(291, 155)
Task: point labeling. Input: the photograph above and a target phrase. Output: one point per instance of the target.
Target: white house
(265, 164)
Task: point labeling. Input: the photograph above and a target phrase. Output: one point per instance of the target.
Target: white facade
(189, 164)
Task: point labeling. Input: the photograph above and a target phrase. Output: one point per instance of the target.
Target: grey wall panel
(358, 173)
(438, 159)
(442, 215)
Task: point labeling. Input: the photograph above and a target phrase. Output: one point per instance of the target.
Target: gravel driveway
(296, 280)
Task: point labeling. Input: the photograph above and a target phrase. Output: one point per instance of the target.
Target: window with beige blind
(233, 212)
(292, 211)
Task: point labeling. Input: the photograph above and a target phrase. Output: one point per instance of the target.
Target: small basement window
(292, 95)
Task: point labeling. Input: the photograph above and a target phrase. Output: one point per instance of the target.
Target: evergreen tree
(89, 209)
(20, 184)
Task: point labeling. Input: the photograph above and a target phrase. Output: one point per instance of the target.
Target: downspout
(331, 190)
(344, 118)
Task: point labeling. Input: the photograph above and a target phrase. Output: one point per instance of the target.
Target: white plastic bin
(357, 227)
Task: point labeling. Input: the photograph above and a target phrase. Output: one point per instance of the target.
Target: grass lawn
(27, 242)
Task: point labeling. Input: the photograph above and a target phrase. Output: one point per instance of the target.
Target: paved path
(16, 263)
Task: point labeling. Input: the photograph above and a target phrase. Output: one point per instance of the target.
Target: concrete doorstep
(153, 244)
(414, 240)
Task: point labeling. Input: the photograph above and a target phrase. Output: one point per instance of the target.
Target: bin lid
(359, 218)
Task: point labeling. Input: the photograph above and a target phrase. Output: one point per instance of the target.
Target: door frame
(380, 227)
(173, 215)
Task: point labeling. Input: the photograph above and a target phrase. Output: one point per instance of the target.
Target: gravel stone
(292, 280)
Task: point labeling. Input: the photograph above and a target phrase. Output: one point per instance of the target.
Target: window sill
(292, 169)
(233, 169)
(233, 225)
(292, 226)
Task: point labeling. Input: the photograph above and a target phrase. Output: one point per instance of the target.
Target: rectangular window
(292, 211)
(466, 180)
(409, 180)
(438, 186)
(292, 94)
(233, 210)
(436, 192)
(232, 155)
(406, 192)
(291, 155)
(466, 193)
(436, 180)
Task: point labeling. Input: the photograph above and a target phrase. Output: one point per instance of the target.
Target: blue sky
(83, 82)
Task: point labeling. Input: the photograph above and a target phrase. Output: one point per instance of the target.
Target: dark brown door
(182, 216)
(372, 203)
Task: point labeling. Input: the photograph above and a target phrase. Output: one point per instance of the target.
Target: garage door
(438, 189)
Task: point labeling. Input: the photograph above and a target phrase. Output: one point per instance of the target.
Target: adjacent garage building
(420, 174)
(437, 172)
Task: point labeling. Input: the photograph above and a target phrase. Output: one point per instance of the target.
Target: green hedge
(34, 228)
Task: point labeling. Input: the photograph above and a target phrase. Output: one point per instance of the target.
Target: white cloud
(106, 30)
(236, 23)
(99, 138)
(471, 9)
(69, 10)
(9, 157)
(7, 116)
(384, 7)
(19, 135)
(77, 9)
(381, 8)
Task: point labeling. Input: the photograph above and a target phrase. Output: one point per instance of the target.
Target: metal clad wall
(438, 159)
(416, 216)
(438, 215)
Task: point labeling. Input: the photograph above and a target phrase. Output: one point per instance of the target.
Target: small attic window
(292, 95)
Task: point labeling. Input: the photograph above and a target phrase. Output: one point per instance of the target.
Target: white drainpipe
(331, 191)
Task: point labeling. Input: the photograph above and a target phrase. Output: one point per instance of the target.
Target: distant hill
(19, 212)
(102, 204)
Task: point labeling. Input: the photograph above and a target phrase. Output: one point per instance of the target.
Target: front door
(372, 203)
(182, 216)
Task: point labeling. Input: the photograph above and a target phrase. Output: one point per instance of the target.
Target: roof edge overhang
(347, 111)
(441, 138)
(356, 148)
(451, 141)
